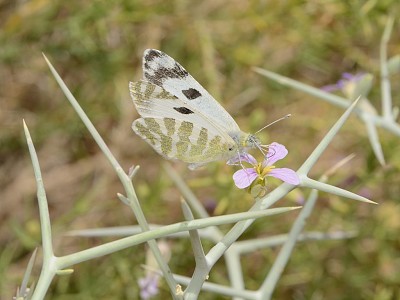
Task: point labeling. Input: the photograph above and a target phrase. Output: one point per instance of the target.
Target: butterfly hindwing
(183, 140)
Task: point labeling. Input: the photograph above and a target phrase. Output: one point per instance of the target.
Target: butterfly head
(251, 141)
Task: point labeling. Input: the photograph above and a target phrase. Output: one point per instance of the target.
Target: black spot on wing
(180, 70)
(166, 68)
(191, 93)
(183, 110)
(159, 75)
(151, 54)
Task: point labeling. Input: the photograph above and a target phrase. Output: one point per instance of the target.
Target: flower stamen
(256, 175)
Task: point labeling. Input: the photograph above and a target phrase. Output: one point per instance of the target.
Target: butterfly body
(180, 119)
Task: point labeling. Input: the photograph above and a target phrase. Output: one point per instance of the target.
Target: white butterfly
(180, 119)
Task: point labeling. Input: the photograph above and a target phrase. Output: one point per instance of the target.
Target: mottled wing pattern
(176, 131)
(162, 70)
(183, 140)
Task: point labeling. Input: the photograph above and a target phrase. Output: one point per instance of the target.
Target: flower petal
(275, 152)
(241, 158)
(243, 178)
(286, 175)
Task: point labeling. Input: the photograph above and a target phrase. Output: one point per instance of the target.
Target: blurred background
(97, 47)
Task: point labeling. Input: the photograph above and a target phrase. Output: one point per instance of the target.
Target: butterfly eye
(230, 148)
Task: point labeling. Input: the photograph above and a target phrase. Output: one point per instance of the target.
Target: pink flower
(258, 173)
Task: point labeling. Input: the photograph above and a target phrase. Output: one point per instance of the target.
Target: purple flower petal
(148, 286)
(348, 76)
(243, 178)
(275, 152)
(241, 158)
(342, 83)
(248, 158)
(286, 175)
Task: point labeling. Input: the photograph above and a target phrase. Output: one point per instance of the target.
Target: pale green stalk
(269, 284)
(374, 139)
(385, 83)
(163, 231)
(218, 289)
(198, 251)
(276, 271)
(23, 291)
(48, 265)
(131, 230)
(191, 198)
(233, 254)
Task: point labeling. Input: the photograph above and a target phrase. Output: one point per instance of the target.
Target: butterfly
(180, 119)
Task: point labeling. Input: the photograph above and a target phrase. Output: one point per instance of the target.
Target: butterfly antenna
(280, 119)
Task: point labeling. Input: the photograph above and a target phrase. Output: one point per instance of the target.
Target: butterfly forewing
(153, 101)
(162, 70)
